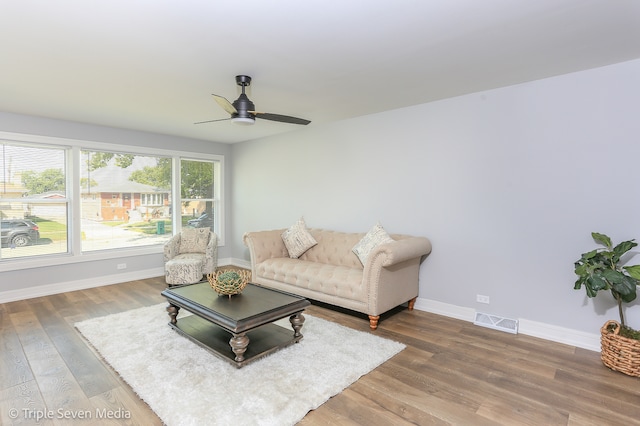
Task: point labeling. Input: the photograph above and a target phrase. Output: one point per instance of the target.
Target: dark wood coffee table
(248, 317)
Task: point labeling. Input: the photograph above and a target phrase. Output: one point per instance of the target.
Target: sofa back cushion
(334, 248)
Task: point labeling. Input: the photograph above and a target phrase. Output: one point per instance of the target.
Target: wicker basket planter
(619, 353)
(229, 282)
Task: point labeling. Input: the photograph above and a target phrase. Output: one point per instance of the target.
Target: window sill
(66, 259)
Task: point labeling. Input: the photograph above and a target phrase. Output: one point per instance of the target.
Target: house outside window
(132, 200)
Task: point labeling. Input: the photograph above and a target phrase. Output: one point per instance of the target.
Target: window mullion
(176, 195)
(73, 183)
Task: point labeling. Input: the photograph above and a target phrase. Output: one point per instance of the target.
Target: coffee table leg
(173, 313)
(239, 343)
(297, 320)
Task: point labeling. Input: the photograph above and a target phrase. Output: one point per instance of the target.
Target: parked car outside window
(204, 221)
(19, 232)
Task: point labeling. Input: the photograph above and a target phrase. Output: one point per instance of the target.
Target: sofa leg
(373, 321)
(411, 303)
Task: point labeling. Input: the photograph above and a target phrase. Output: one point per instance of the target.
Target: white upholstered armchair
(190, 255)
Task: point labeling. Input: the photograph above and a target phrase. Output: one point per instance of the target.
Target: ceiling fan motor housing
(243, 105)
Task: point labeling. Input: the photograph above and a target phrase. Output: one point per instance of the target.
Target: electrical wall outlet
(482, 299)
(121, 266)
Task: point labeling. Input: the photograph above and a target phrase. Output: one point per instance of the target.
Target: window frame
(73, 166)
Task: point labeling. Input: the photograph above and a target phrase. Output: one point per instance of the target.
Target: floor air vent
(496, 322)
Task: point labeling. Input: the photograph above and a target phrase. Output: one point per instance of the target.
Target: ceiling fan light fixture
(244, 121)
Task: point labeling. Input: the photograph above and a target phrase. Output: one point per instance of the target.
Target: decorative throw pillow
(194, 240)
(375, 237)
(297, 239)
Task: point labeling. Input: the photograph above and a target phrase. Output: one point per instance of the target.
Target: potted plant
(601, 269)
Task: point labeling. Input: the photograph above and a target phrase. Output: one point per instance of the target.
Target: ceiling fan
(243, 111)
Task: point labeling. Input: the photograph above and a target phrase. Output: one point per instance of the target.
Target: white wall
(507, 184)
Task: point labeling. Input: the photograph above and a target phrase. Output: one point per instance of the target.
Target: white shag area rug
(185, 384)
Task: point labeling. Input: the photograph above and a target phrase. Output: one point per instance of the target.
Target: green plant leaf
(602, 239)
(627, 289)
(581, 269)
(634, 271)
(589, 255)
(624, 247)
(578, 284)
(607, 256)
(612, 275)
(594, 284)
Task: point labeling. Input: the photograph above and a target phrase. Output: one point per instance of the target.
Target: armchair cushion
(194, 240)
(184, 269)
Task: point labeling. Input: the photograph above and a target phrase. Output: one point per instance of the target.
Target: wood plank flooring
(451, 373)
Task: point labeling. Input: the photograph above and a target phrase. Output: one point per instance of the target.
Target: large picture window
(71, 200)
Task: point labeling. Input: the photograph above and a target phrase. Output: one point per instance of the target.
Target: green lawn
(55, 231)
(150, 227)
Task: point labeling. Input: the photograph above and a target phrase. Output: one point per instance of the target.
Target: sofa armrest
(391, 273)
(172, 248)
(400, 251)
(265, 245)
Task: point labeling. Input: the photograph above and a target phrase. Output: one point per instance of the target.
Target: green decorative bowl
(229, 282)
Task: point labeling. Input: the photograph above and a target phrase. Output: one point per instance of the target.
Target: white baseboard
(558, 334)
(56, 288)
(49, 289)
(580, 339)
(440, 308)
(551, 332)
(241, 263)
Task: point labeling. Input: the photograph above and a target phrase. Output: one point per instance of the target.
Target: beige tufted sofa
(331, 273)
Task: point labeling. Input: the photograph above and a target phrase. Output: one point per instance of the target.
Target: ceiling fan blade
(213, 121)
(225, 104)
(281, 118)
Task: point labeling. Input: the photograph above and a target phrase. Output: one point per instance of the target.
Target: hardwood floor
(451, 372)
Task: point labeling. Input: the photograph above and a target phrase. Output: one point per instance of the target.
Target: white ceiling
(151, 65)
